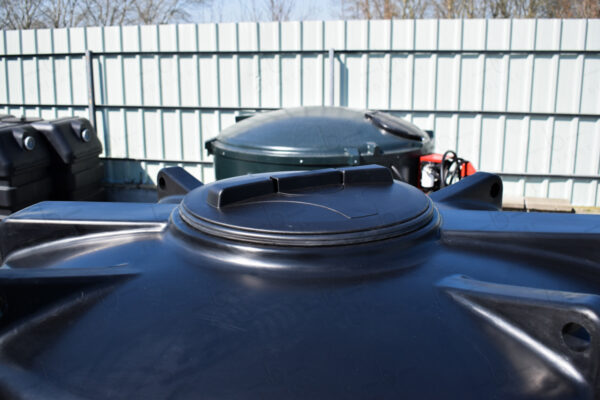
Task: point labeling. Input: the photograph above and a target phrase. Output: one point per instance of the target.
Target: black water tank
(24, 166)
(339, 283)
(308, 138)
(77, 169)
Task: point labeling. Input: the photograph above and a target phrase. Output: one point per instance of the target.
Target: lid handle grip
(237, 190)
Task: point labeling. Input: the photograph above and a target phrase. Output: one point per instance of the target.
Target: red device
(440, 170)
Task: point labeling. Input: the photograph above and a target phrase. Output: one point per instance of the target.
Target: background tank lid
(318, 132)
(308, 208)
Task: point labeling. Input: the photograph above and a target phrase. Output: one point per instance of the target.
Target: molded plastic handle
(231, 191)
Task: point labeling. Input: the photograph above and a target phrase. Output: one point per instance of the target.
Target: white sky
(243, 10)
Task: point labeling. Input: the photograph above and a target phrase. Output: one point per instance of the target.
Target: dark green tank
(307, 138)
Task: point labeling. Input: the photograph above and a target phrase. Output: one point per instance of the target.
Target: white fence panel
(516, 97)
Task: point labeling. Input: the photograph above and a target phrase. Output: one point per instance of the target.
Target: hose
(443, 168)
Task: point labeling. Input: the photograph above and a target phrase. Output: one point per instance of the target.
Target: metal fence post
(331, 76)
(90, 87)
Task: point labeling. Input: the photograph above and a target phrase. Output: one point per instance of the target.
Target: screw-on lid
(86, 135)
(29, 143)
(309, 208)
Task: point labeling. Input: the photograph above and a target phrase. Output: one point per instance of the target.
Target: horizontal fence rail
(517, 97)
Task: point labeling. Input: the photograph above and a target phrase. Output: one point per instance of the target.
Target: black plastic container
(77, 170)
(322, 284)
(307, 138)
(24, 166)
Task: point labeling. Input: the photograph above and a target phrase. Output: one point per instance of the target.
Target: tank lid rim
(426, 221)
(309, 208)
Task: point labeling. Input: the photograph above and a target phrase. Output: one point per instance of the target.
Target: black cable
(456, 170)
(443, 168)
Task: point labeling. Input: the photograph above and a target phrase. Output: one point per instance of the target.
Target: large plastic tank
(64, 151)
(308, 138)
(339, 283)
(24, 166)
(77, 170)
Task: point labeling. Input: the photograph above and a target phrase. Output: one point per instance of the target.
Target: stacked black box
(76, 168)
(25, 160)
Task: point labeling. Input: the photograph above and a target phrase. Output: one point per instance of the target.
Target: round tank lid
(317, 132)
(308, 208)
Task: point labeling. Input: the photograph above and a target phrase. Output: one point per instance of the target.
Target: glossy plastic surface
(109, 300)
